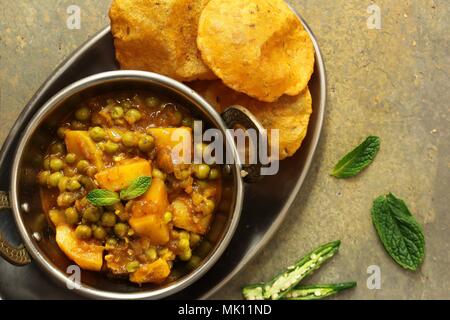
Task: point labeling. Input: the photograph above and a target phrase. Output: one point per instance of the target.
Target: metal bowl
(26, 205)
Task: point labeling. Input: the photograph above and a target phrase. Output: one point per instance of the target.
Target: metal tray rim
(320, 68)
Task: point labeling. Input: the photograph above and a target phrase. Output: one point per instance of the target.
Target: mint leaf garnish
(101, 197)
(358, 159)
(400, 233)
(137, 188)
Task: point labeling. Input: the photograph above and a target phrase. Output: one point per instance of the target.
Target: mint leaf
(358, 159)
(101, 197)
(137, 188)
(400, 233)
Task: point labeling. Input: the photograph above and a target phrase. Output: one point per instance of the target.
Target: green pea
(152, 102)
(132, 116)
(132, 266)
(82, 165)
(43, 177)
(194, 262)
(87, 183)
(146, 143)
(72, 216)
(73, 185)
(84, 202)
(194, 239)
(61, 132)
(91, 214)
(56, 164)
(108, 219)
(156, 173)
(187, 122)
(70, 158)
(209, 206)
(83, 114)
(121, 230)
(184, 235)
(69, 171)
(77, 125)
(201, 171)
(185, 256)
(111, 147)
(58, 148)
(91, 171)
(117, 112)
(99, 233)
(66, 199)
(151, 254)
(183, 244)
(214, 174)
(53, 179)
(120, 212)
(129, 139)
(126, 104)
(167, 216)
(83, 232)
(46, 163)
(97, 134)
(111, 243)
(62, 184)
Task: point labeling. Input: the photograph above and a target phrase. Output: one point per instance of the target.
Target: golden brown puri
(257, 47)
(289, 114)
(159, 36)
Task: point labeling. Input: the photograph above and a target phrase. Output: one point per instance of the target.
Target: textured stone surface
(391, 82)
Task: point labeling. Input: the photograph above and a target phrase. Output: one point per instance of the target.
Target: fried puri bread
(257, 47)
(159, 36)
(290, 114)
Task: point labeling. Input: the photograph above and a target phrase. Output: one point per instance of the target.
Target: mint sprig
(400, 233)
(137, 188)
(358, 159)
(102, 197)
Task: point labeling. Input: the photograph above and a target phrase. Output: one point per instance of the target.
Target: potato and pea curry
(154, 210)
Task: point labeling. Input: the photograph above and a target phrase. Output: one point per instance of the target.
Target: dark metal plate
(265, 206)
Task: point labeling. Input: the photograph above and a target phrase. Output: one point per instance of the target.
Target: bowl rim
(89, 82)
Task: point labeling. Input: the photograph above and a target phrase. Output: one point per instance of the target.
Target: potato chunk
(81, 144)
(148, 211)
(184, 218)
(87, 255)
(152, 227)
(157, 194)
(154, 201)
(177, 140)
(121, 175)
(155, 272)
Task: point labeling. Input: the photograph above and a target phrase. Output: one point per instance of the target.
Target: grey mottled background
(392, 82)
